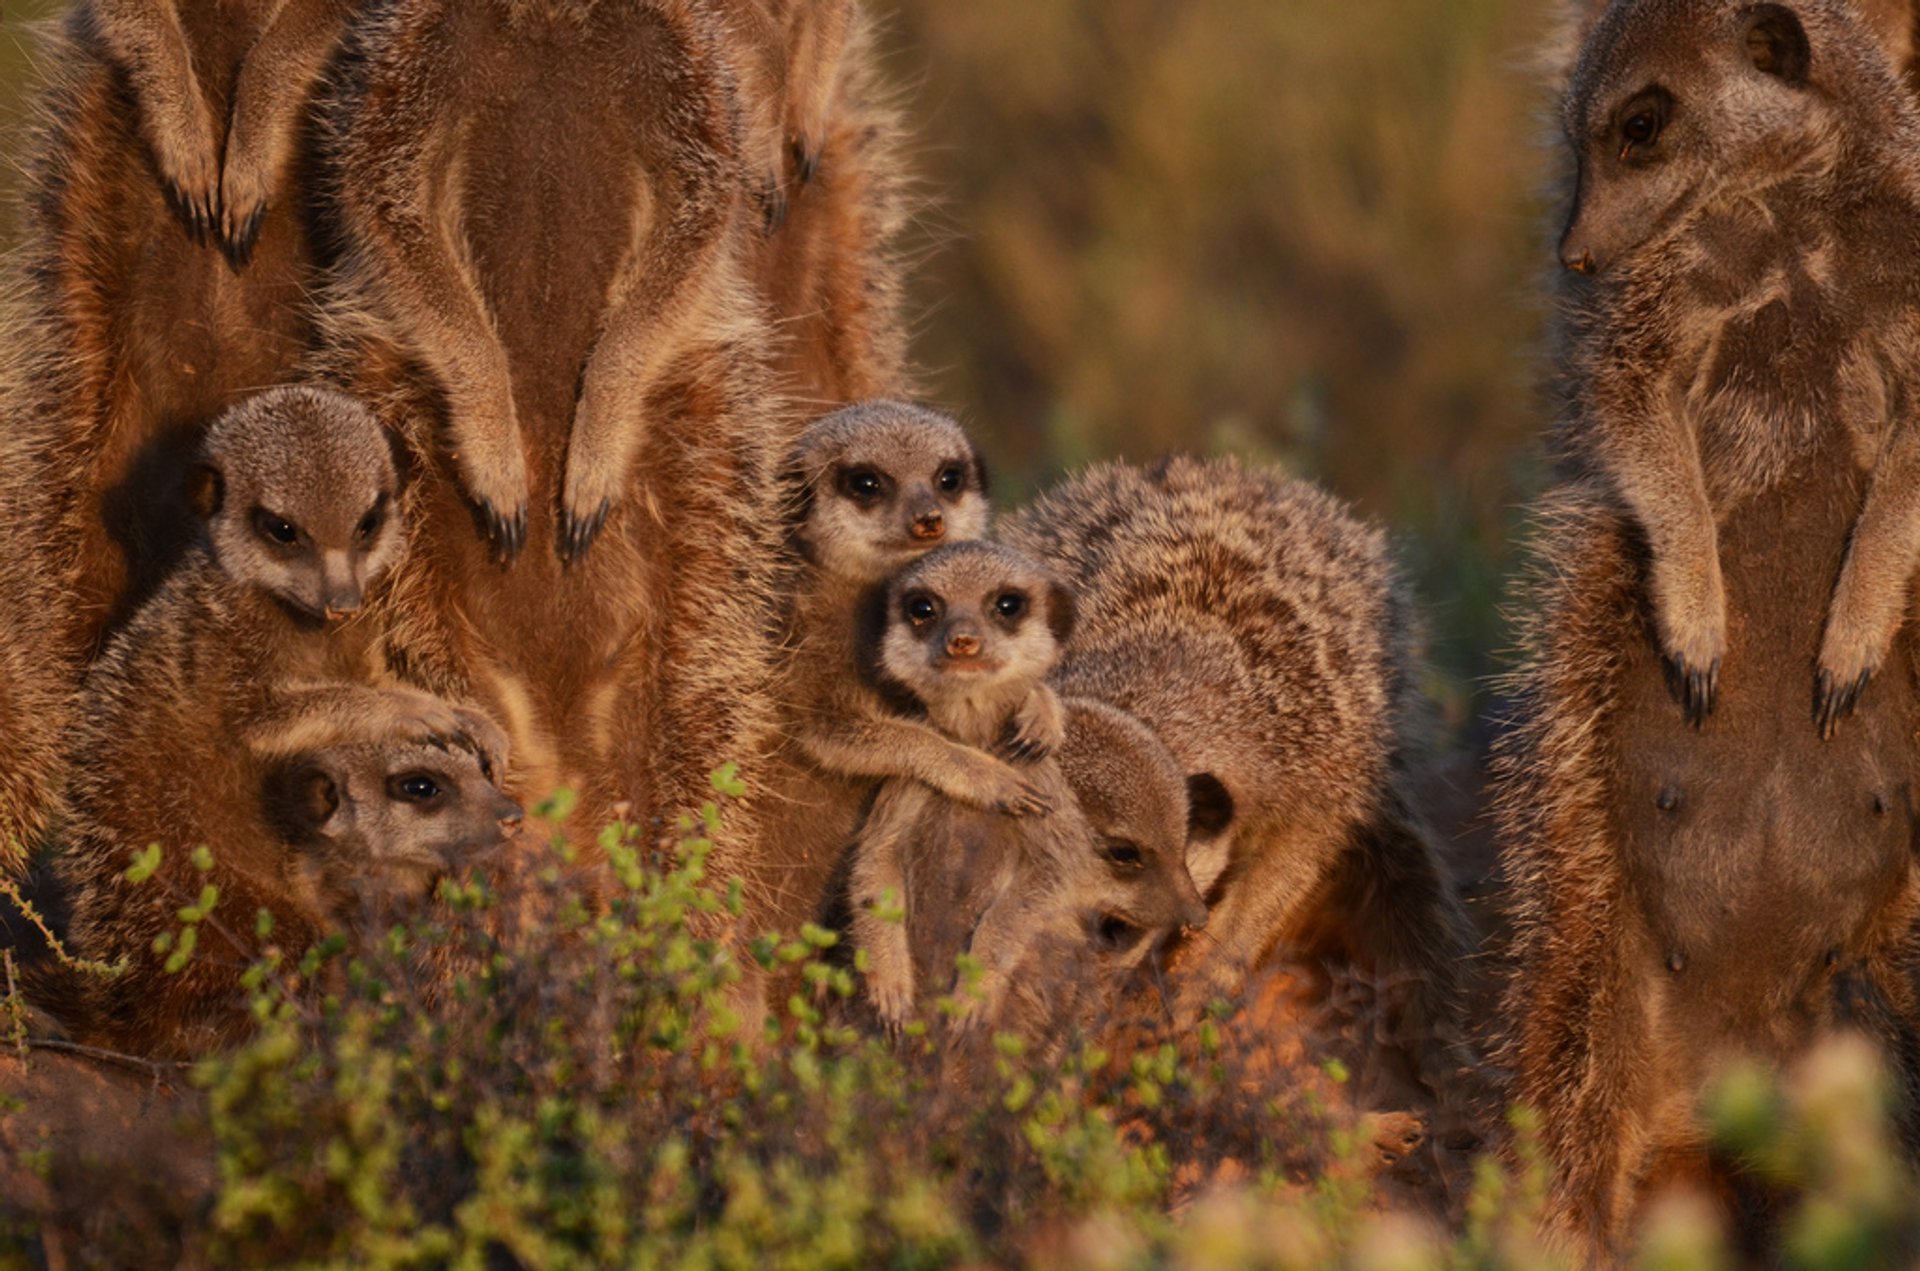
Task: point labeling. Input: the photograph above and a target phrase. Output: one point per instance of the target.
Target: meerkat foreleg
(641, 336)
(1002, 938)
(437, 307)
(1038, 727)
(876, 876)
(887, 747)
(145, 37)
(817, 36)
(1654, 459)
(269, 96)
(1870, 600)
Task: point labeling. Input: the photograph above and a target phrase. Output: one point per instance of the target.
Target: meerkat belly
(1761, 856)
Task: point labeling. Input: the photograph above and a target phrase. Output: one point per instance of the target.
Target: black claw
(507, 533)
(1696, 688)
(1833, 703)
(806, 160)
(239, 249)
(577, 536)
(773, 203)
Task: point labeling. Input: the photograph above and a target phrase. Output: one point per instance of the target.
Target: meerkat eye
(863, 484)
(951, 478)
(274, 528)
(920, 610)
(414, 787)
(370, 523)
(1643, 120)
(1121, 852)
(1010, 604)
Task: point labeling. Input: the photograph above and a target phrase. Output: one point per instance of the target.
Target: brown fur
(1263, 634)
(828, 268)
(1738, 308)
(483, 183)
(1683, 898)
(252, 666)
(146, 334)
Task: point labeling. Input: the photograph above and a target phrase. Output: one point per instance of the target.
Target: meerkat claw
(773, 203)
(238, 244)
(507, 533)
(576, 536)
(1697, 688)
(806, 160)
(1833, 702)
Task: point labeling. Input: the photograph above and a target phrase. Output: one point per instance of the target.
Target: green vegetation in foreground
(518, 1080)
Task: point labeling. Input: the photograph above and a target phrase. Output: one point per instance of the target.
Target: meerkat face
(299, 493)
(880, 483)
(1672, 99)
(376, 823)
(1135, 799)
(973, 623)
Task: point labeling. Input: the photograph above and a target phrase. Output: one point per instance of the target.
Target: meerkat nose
(930, 526)
(1581, 264)
(963, 644)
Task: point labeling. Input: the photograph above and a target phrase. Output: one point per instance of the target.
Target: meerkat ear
(1060, 611)
(1894, 22)
(205, 490)
(980, 477)
(1209, 806)
(308, 802)
(1777, 43)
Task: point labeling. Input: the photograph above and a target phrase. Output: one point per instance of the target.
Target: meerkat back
(1261, 632)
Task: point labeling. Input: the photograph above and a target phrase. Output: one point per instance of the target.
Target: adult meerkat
(1742, 172)
(1682, 899)
(1264, 636)
(424, 116)
(133, 332)
(546, 301)
(968, 633)
(252, 656)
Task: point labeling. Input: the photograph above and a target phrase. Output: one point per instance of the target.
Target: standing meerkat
(1264, 636)
(1682, 900)
(967, 634)
(251, 657)
(1743, 171)
(425, 115)
(473, 150)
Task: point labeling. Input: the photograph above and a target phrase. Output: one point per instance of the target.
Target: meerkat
(335, 838)
(472, 149)
(966, 634)
(135, 333)
(419, 123)
(253, 654)
(1742, 172)
(1262, 633)
(1681, 900)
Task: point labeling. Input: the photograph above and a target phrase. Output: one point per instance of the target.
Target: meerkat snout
(929, 526)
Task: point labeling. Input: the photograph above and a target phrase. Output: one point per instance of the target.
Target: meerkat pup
(425, 110)
(250, 656)
(876, 486)
(335, 840)
(1263, 635)
(1744, 170)
(222, 190)
(966, 635)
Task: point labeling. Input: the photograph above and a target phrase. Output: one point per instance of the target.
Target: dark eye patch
(920, 609)
(414, 787)
(951, 479)
(370, 523)
(1010, 604)
(1123, 853)
(862, 484)
(275, 529)
(1643, 119)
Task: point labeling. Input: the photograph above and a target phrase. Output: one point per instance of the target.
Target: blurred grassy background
(1293, 229)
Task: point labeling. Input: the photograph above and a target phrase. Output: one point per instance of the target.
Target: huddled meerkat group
(417, 407)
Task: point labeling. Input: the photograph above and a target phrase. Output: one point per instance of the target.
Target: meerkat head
(969, 629)
(1673, 101)
(879, 483)
(298, 489)
(1135, 798)
(376, 823)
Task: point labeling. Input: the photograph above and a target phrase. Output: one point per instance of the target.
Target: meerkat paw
(1038, 728)
(1693, 644)
(189, 163)
(486, 740)
(1846, 668)
(584, 507)
(494, 474)
(245, 188)
(892, 998)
